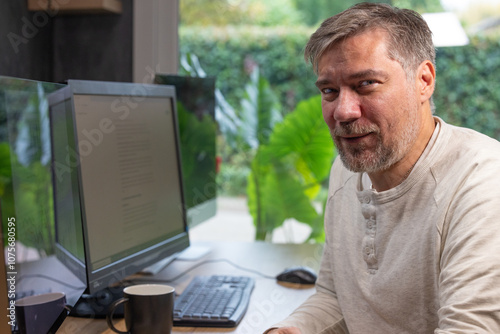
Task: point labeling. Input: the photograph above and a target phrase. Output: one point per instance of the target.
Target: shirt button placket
(368, 248)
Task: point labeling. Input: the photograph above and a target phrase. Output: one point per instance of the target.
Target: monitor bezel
(113, 273)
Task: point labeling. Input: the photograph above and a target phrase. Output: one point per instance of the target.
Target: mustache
(349, 129)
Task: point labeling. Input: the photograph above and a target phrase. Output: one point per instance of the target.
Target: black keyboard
(213, 301)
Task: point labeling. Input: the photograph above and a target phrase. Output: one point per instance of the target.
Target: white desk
(270, 301)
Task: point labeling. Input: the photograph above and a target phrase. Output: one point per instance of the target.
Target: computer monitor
(117, 180)
(198, 133)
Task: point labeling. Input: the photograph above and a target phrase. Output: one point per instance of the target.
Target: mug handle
(111, 313)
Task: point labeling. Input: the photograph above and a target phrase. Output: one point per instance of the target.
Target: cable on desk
(203, 263)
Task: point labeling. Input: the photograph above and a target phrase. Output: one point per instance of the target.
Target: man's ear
(426, 80)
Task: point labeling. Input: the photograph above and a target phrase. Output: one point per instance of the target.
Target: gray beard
(385, 155)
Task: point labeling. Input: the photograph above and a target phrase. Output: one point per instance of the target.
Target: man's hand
(285, 330)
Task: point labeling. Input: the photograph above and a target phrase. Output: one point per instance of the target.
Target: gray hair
(410, 39)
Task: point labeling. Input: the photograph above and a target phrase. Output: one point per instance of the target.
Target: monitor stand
(193, 253)
(97, 305)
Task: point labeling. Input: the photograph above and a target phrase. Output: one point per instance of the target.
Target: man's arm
(320, 313)
(470, 255)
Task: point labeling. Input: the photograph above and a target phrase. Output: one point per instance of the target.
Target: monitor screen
(118, 195)
(26, 200)
(198, 133)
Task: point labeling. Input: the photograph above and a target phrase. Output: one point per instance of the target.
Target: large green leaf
(287, 173)
(274, 196)
(304, 134)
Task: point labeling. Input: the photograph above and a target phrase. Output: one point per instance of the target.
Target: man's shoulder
(465, 154)
(468, 143)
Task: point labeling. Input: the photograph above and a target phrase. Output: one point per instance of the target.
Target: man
(412, 219)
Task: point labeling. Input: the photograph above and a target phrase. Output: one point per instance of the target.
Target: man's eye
(367, 83)
(327, 91)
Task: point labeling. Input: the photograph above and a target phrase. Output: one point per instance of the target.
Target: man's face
(371, 108)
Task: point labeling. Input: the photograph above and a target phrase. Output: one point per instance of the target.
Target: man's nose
(348, 106)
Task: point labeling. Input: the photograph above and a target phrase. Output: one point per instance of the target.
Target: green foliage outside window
(283, 163)
(289, 173)
(466, 95)
(25, 178)
(467, 86)
(230, 53)
(278, 12)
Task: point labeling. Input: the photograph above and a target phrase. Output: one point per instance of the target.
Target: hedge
(228, 53)
(468, 86)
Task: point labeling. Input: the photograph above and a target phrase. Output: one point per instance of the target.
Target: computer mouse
(298, 275)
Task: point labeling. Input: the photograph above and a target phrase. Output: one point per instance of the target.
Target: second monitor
(198, 133)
